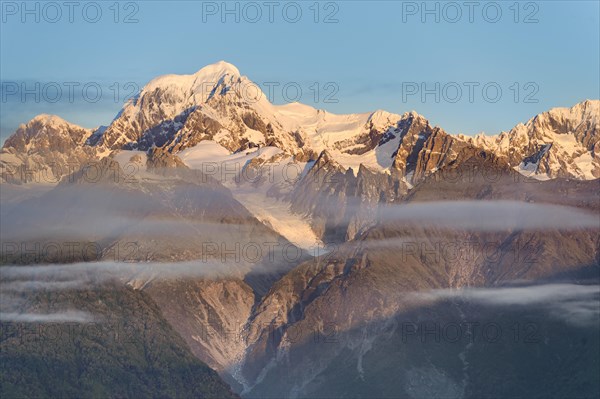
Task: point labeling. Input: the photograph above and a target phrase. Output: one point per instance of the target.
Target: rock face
(44, 150)
(210, 315)
(562, 142)
(340, 204)
(159, 158)
(422, 149)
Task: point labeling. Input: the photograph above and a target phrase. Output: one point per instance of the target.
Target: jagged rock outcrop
(340, 204)
(160, 158)
(44, 150)
(562, 142)
(422, 149)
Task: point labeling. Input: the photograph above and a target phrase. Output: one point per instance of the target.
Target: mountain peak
(48, 119)
(219, 68)
(208, 75)
(587, 109)
(588, 103)
(50, 135)
(382, 118)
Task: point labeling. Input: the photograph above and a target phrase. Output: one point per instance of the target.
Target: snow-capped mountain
(219, 105)
(44, 149)
(562, 142)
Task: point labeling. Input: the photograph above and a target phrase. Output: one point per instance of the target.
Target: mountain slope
(173, 233)
(331, 312)
(125, 349)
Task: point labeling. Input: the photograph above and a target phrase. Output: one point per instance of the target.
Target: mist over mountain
(299, 253)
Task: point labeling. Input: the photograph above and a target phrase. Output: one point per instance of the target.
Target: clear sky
(360, 55)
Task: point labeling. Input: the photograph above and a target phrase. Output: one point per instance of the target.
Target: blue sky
(370, 55)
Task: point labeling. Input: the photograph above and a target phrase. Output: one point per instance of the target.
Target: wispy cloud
(85, 274)
(73, 316)
(577, 304)
(491, 215)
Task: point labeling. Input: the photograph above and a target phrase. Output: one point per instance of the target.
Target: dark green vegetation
(125, 350)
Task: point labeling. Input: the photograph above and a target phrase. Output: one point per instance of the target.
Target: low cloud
(491, 215)
(573, 303)
(73, 316)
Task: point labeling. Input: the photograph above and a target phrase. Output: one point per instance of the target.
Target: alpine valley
(208, 243)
